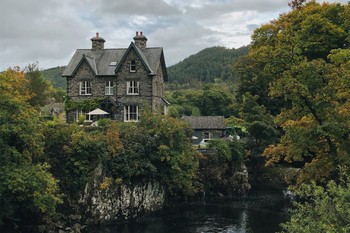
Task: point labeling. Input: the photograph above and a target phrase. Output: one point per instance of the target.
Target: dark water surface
(260, 212)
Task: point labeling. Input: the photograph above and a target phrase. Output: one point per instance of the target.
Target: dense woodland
(208, 66)
(287, 95)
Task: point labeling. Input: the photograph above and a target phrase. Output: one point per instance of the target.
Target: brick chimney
(140, 40)
(97, 42)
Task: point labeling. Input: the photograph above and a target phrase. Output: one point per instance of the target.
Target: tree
(297, 70)
(216, 102)
(316, 125)
(40, 88)
(259, 123)
(26, 185)
(310, 32)
(321, 209)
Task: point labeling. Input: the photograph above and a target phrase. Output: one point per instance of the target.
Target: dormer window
(132, 66)
(85, 88)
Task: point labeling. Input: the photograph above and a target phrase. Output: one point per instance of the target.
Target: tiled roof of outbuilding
(206, 122)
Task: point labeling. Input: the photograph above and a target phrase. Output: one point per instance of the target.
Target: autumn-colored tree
(26, 186)
(297, 67)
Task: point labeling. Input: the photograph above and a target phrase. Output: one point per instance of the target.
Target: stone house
(124, 81)
(207, 127)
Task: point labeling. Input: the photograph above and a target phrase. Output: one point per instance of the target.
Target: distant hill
(206, 66)
(54, 76)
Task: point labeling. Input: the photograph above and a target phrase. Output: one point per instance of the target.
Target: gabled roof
(53, 107)
(141, 55)
(206, 122)
(105, 62)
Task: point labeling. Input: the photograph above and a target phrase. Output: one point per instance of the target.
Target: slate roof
(53, 108)
(100, 60)
(206, 122)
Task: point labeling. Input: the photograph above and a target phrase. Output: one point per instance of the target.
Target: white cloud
(49, 31)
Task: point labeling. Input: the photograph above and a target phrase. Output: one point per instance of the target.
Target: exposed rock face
(120, 202)
(223, 179)
(239, 180)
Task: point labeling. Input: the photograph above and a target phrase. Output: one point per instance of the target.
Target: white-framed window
(132, 66)
(132, 87)
(109, 88)
(85, 88)
(131, 113)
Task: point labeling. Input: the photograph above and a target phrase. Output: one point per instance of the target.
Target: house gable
(89, 61)
(140, 55)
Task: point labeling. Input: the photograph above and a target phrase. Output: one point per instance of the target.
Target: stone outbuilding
(207, 127)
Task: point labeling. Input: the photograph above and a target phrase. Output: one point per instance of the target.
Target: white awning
(98, 111)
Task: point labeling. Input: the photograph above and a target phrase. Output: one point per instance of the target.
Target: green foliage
(85, 105)
(218, 168)
(259, 124)
(216, 101)
(59, 94)
(157, 147)
(308, 32)
(27, 189)
(213, 100)
(207, 66)
(41, 89)
(223, 152)
(84, 153)
(321, 209)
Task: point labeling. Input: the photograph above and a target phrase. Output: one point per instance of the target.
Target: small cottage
(207, 128)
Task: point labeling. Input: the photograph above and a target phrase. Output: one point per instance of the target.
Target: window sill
(131, 121)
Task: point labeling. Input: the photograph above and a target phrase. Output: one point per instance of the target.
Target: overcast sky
(49, 31)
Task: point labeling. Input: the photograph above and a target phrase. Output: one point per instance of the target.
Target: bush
(321, 209)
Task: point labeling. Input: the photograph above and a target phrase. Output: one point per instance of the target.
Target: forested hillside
(206, 66)
(54, 76)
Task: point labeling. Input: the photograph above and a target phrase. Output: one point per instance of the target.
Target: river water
(259, 212)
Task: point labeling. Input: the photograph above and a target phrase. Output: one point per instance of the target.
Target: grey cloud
(137, 7)
(49, 31)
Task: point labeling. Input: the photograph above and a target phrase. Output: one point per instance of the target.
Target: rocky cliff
(119, 201)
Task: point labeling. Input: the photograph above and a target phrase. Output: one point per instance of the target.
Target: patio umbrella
(97, 112)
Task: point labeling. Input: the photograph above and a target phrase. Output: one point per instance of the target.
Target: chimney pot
(97, 34)
(140, 40)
